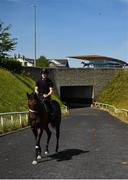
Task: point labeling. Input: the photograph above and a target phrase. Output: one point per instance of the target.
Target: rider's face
(44, 76)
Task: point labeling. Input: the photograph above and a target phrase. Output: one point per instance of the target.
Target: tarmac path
(93, 144)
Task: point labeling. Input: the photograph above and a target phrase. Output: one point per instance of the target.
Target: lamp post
(35, 34)
(94, 83)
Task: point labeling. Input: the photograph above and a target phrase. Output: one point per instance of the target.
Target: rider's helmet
(44, 71)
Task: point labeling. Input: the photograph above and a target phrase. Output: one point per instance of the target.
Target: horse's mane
(32, 96)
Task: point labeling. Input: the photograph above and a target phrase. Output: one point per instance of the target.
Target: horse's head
(33, 101)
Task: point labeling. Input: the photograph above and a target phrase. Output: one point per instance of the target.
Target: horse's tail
(56, 118)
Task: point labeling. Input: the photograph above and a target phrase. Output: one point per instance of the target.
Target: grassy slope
(13, 89)
(116, 91)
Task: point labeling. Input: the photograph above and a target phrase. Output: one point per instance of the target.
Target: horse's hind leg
(57, 137)
(49, 133)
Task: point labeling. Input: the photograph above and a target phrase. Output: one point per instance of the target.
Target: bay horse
(39, 120)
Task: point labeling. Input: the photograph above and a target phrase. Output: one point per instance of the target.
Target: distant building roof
(98, 60)
(59, 62)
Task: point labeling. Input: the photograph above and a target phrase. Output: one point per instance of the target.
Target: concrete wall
(97, 78)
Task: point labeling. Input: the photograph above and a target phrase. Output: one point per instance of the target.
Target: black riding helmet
(44, 71)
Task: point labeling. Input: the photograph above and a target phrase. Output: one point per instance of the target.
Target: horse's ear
(28, 95)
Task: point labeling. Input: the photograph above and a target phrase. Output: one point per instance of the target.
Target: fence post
(115, 110)
(2, 122)
(12, 120)
(26, 117)
(20, 120)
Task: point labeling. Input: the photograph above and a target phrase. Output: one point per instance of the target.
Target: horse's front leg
(49, 133)
(37, 146)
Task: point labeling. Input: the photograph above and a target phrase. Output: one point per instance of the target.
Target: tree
(6, 42)
(42, 62)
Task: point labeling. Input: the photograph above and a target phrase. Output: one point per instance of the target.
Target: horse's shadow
(64, 155)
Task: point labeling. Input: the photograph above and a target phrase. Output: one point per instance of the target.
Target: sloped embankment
(116, 91)
(13, 89)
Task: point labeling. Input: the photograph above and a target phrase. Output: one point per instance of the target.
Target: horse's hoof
(34, 162)
(39, 157)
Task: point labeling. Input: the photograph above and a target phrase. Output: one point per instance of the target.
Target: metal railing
(13, 120)
(110, 108)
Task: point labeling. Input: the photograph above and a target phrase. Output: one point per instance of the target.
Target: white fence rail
(13, 119)
(16, 120)
(110, 108)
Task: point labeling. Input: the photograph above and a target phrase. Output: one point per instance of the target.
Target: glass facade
(106, 63)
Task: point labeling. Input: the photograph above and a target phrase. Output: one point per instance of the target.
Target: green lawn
(13, 89)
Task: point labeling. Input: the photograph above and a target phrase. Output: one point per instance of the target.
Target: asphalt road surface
(93, 144)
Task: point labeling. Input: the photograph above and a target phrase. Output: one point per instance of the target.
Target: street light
(94, 84)
(35, 34)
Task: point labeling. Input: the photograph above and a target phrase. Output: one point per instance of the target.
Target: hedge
(11, 65)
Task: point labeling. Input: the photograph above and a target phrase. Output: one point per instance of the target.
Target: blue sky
(69, 27)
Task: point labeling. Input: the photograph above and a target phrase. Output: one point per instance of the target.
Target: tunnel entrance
(76, 96)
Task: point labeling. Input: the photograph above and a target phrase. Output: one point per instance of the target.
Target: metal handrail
(12, 114)
(108, 106)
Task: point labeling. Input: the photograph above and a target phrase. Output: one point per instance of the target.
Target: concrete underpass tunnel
(76, 96)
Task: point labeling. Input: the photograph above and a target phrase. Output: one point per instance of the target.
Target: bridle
(35, 111)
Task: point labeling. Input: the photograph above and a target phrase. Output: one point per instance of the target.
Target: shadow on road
(64, 155)
(67, 154)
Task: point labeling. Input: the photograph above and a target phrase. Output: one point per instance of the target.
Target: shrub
(11, 65)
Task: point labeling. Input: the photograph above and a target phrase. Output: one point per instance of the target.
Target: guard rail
(110, 108)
